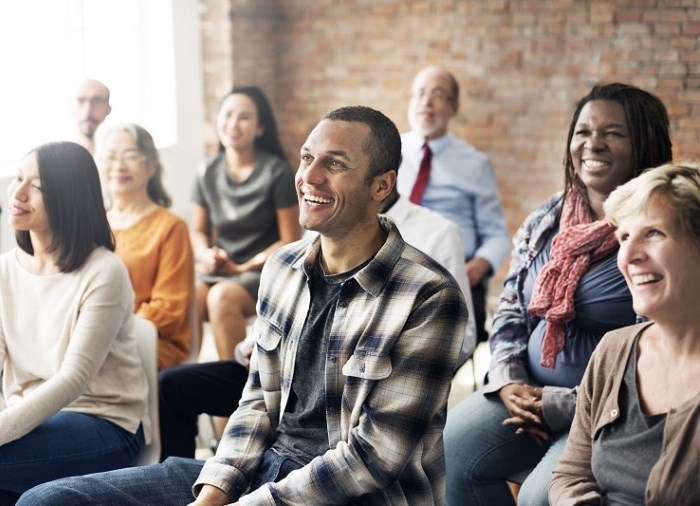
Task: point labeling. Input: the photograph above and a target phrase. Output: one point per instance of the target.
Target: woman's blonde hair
(677, 184)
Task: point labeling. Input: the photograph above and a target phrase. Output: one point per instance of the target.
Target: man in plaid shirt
(356, 340)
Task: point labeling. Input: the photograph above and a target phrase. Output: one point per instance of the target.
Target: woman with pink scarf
(562, 293)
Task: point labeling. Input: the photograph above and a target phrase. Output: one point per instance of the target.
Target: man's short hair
(383, 144)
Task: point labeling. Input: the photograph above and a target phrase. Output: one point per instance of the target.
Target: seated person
(152, 242)
(356, 338)
(73, 383)
(562, 293)
(244, 208)
(635, 438)
(215, 388)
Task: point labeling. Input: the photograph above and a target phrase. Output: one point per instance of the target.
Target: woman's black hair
(269, 139)
(647, 123)
(70, 186)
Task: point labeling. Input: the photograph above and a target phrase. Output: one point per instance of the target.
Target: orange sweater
(158, 254)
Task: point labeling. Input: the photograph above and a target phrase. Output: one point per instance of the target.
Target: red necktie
(423, 176)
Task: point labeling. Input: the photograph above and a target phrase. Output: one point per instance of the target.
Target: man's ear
(383, 184)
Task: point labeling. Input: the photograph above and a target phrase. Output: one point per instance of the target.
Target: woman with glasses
(74, 387)
(245, 207)
(152, 241)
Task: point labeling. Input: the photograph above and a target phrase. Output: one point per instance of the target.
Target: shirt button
(613, 413)
(333, 359)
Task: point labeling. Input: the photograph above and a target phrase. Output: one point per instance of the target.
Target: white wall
(179, 161)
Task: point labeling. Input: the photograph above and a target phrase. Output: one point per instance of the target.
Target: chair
(146, 335)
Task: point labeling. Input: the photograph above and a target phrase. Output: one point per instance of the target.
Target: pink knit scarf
(579, 242)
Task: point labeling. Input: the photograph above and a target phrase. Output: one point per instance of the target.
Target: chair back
(146, 335)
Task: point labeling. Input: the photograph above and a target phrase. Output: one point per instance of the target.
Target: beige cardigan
(674, 479)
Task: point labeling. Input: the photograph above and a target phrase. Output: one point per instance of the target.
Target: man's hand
(524, 404)
(243, 351)
(210, 496)
(477, 268)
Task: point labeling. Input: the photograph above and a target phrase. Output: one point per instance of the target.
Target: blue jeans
(480, 454)
(167, 483)
(67, 444)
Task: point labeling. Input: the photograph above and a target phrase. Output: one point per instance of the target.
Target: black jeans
(186, 391)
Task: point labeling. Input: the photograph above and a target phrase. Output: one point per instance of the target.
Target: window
(49, 46)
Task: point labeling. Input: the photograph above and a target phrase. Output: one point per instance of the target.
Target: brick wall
(521, 64)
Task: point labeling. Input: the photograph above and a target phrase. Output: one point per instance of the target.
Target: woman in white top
(73, 384)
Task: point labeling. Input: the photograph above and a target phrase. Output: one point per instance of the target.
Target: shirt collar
(375, 274)
(436, 145)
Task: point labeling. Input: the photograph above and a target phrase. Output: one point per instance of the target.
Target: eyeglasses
(127, 159)
(437, 95)
(93, 101)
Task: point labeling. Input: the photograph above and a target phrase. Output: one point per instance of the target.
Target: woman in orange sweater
(151, 240)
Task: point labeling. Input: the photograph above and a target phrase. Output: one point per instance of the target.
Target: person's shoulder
(550, 205)
(418, 268)
(618, 341)
(290, 253)
(430, 219)
(167, 218)
(210, 164)
(272, 161)
(463, 147)
(103, 264)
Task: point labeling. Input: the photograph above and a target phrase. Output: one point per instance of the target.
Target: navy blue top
(602, 302)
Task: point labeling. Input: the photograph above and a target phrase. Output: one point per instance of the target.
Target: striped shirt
(396, 335)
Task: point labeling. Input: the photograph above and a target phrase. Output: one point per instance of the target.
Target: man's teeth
(642, 279)
(317, 200)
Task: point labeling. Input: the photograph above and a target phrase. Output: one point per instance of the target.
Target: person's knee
(534, 491)
(55, 493)
(224, 297)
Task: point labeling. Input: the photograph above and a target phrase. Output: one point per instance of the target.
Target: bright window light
(50, 46)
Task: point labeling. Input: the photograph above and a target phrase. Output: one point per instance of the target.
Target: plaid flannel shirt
(396, 335)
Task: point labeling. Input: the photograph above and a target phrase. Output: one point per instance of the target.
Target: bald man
(454, 179)
(91, 107)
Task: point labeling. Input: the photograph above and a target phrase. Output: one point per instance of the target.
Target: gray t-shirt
(624, 452)
(302, 434)
(244, 213)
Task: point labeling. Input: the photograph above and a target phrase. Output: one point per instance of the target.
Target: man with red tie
(447, 175)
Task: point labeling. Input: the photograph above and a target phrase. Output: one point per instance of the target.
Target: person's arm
(449, 254)
(510, 332)
(208, 258)
(490, 225)
(99, 320)
(558, 406)
(248, 433)
(171, 293)
(573, 482)
(393, 418)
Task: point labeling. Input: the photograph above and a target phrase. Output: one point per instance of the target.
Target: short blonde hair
(677, 184)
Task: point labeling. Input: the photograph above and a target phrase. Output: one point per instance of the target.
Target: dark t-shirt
(302, 434)
(624, 452)
(243, 214)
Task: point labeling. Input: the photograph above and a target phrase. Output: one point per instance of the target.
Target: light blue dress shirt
(462, 188)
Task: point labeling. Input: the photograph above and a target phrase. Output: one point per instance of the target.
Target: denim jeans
(167, 483)
(480, 454)
(67, 444)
